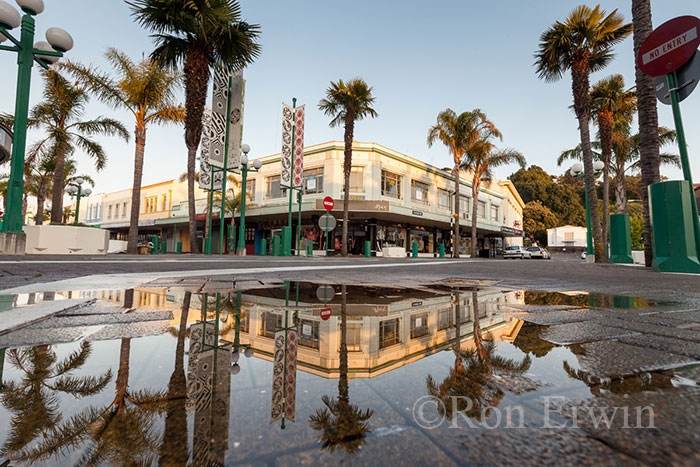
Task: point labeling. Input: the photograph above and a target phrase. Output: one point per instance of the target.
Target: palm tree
(346, 103)
(648, 118)
(610, 101)
(583, 43)
(60, 114)
(459, 134)
(200, 34)
(481, 159)
(340, 423)
(147, 91)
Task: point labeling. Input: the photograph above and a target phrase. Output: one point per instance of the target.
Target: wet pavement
(187, 371)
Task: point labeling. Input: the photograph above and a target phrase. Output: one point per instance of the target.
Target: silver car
(537, 252)
(516, 251)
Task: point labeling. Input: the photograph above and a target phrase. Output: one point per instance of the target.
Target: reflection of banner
(299, 146)
(291, 383)
(284, 386)
(277, 406)
(235, 131)
(287, 138)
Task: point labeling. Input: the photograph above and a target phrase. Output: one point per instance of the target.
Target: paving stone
(94, 320)
(546, 318)
(664, 344)
(649, 328)
(575, 333)
(130, 330)
(612, 358)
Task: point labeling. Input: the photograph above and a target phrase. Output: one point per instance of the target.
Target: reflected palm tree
(641, 382)
(33, 401)
(341, 424)
(470, 385)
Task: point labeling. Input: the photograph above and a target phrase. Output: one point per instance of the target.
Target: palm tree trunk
(478, 336)
(622, 192)
(605, 127)
(197, 75)
(40, 199)
(343, 388)
(455, 234)
(140, 138)
(57, 194)
(476, 186)
(122, 382)
(347, 167)
(580, 87)
(648, 118)
(459, 369)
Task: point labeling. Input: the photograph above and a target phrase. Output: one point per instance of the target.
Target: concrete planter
(65, 240)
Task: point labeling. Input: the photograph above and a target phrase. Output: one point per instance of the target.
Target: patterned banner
(277, 405)
(291, 383)
(218, 118)
(235, 132)
(287, 138)
(299, 146)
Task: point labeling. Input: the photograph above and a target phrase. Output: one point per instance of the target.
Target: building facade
(567, 239)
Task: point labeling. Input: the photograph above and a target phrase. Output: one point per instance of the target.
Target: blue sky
(420, 58)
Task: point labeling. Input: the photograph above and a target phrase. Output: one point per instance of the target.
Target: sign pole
(291, 171)
(207, 243)
(299, 197)
(683, 148)
(328, 233)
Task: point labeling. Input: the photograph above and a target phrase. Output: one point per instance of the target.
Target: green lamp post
(78, 192)
(28, 52)
(577, 172)
(244, 179)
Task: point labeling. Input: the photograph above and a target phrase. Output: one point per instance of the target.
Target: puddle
(292, 373)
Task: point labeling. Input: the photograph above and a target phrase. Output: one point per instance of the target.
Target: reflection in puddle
(290, 372)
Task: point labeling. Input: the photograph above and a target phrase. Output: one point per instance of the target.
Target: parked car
(537, 252)
(516, 251)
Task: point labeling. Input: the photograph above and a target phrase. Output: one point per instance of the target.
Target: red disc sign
(669, 46)
(325, 313)
(328, 203)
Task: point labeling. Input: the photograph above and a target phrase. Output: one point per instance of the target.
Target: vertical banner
(287, 138)
(218, 118)
(235, 132)
(291, 382)
(299, 146)
(205, 169)
(277, 406)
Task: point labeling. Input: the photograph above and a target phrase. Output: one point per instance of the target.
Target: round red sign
(669, 46)
(328, 203)
(325, 313)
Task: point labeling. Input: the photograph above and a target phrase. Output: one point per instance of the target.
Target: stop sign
(328, 203)
(669, 46)
(325, 313)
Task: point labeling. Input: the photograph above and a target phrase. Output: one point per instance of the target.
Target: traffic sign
(327, 222)
(328, 203)
(669, 46)
(325, 293)
(325, 313)
(688, 77)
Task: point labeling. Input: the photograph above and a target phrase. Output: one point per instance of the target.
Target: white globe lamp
(33, 7)
(9, 16)
(59, 39)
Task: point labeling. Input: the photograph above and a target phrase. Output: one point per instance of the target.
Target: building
(567, 239)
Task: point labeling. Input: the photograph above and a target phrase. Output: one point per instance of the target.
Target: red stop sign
(328, 203)
(325, 313)
(669, 46)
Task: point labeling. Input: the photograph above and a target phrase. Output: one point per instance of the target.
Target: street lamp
(244, 176)
(78, 192)
(43, 53)
(577, 172)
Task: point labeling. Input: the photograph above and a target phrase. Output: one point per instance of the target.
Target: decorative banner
(299, 146)
(277, 406)
(291, 383)
(287, 138)
(284, 388)
(218, 119)
(235, 131)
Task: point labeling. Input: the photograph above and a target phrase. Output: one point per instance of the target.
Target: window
(464, 204)
(273, 188)
(419, 325)
(419, 192)
(444, 319)
(116, 210)
(391, 184)
(444, 199)
(250, 190)
(494, 213)
(482, 209)
(165, 203)
(124, 209)
(357, 180)
(271, 322)
(109, 211)
(389, 333)
(569, 236)
(353, 337)
(313, 180)
(309, 334)
(245, 321)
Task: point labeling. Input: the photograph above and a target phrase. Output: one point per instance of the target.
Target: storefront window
(271, 322)
(313, 180)
(309, 334)
(391, 236)
(419, 192)
(419, 325)
(389, 333)
(273, 187)
(391, 184)
(444, 198)
(424, 240)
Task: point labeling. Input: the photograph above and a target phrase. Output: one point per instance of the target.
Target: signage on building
(512, 231)
(417, 213)
(669, 46)
(353, 197)
(147, 222)
(360, 205)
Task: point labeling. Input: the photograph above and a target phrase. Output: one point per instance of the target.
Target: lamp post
(28, 52)
(77, 191)
(244, 179)
(577, 172)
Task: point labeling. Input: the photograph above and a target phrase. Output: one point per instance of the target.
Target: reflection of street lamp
(44, 53)
(78, 192)
(236, 346)
(244, 189)
(577, 172)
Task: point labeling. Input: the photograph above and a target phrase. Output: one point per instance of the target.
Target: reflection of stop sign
(328, 203)
(669, 46)
(325, 313)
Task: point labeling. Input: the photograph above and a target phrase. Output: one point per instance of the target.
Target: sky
(420, 58)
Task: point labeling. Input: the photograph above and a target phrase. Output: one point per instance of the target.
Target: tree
(60, 115)
(459, 134)
(347, 103)
(648, 118)
(481, 159)
(537, 219)
(582, 44)
(532, 183)
(147, 91)
(199, 35)
(610, 102)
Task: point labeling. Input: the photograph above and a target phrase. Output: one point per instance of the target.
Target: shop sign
(147, 222)
(417, 213)
(512, 231)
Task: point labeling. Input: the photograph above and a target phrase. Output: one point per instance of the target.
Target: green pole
(77, 204)
(291, 179)
(13, 221)
(236, 340)
(223, 183)
(328, 234)
(683, 147)
(299, 196)
(241, 226)
(175, 238)
(207, 243)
